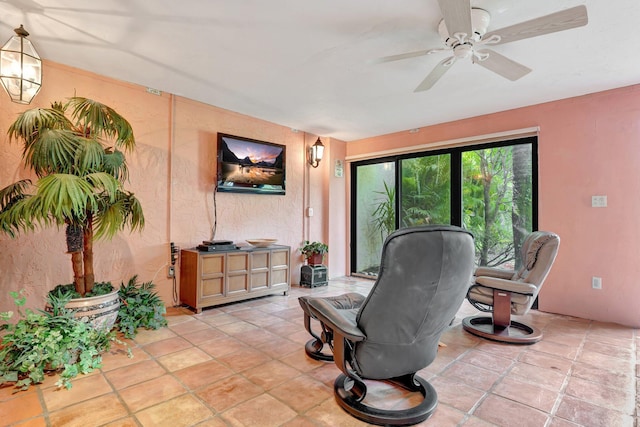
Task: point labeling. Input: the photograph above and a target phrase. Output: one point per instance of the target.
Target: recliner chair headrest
(539, 239)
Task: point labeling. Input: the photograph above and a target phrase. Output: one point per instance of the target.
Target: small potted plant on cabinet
(314, 252)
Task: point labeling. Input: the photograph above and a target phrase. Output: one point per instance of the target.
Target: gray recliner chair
(505, 292)
(392, 334)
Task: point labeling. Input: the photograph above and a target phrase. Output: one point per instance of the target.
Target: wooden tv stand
(208, 279)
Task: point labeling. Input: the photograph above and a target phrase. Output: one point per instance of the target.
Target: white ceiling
(310, 65)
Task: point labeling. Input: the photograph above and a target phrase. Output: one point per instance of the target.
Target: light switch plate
(598, 201)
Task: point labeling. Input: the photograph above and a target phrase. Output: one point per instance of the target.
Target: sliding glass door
(489, 190)
(375, 214)
(425, 190)
(497, 201)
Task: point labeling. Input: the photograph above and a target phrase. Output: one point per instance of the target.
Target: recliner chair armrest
(506, 285)
(341, 321)
(494, 272)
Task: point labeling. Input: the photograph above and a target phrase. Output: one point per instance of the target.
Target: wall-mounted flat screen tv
(250, 166)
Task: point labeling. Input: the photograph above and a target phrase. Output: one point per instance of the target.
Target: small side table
(313, 275)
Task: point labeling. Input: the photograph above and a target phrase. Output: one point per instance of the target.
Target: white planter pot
(101, 311)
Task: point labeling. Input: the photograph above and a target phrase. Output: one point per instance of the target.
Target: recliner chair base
(515, 333)
(313, 348)
(351, 401)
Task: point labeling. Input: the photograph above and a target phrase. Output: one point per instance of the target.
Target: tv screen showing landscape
(250, 166)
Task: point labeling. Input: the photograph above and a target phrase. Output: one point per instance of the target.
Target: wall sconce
(20, 68)
(316, 151)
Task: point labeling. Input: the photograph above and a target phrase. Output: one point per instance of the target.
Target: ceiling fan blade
(502, 65)
(435, 74)
(404, 56)
(457, 16)
(559, 21)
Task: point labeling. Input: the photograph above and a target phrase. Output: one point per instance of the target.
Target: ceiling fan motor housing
(480, 19)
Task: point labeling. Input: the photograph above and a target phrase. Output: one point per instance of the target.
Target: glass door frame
(456, 183)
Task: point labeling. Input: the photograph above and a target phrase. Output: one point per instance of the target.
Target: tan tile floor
(244, 365)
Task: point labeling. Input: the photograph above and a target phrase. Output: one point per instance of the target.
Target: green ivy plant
(41, 342)
(140, 307)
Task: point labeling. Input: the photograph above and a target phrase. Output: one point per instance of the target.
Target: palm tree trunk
(87, 254)
(74, 247)
(78, 278)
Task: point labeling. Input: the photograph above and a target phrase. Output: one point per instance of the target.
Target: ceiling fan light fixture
(463, 50)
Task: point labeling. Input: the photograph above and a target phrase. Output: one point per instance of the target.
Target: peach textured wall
(589, 145)
(336, 207)
(172, 173)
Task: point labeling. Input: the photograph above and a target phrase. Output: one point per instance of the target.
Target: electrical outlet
(171, 272)
(596, 282)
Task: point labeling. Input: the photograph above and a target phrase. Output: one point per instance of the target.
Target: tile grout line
(565, 384)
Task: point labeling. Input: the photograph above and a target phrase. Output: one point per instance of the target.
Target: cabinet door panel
(280, 277)
(213, 287)
(237, 284)
(259, 280)
(212, 264)
(237, 263)
(259, 260)
(280, 259)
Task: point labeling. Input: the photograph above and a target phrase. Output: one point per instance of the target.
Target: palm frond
(104, 184)
(109, 221)
(135, 216)
(11, 197)
(19, 217)
(30, 122)
(52, 151)
(102, 121)
(113, 217)
(13, 192)
(64, 196)
(116, 165)
(89, 157)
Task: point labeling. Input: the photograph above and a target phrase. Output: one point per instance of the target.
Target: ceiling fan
(463, 30)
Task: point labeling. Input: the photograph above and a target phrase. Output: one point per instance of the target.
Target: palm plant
(81, 172)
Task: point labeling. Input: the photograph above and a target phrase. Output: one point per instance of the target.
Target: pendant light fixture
(20, 68)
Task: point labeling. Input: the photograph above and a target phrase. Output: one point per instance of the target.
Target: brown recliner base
(515, 333)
